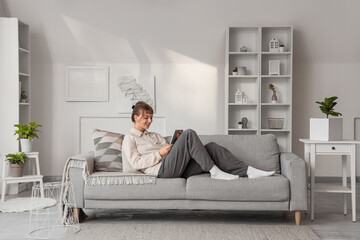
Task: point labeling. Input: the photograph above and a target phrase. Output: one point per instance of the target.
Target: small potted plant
(23, 97)
(27, 132)
(240, 124)
(17, 161)
(274, 98)
(282, 48)
(235, 71)
(327, 129)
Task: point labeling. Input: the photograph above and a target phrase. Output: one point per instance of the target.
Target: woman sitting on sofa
(150, 153)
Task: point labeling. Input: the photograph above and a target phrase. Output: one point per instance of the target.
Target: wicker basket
(275, 123)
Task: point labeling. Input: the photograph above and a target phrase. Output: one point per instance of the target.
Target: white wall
(182, 42)
(4, 11)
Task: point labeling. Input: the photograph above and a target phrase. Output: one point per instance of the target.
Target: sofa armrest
(88, 157)
(294, 169)
(77, 178)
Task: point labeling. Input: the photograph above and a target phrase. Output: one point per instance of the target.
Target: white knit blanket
(104, 178)
(94, 179)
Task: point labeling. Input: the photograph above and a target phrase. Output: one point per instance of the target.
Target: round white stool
(56, 220)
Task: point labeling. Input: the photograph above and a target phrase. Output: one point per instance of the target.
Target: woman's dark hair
(140, 108)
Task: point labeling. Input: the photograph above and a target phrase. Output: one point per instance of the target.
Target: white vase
(26, 145)
(326, 129)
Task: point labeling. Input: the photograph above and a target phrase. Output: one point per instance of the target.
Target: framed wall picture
(87, 84)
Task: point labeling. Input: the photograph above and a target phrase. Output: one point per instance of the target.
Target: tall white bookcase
(14, 78)
(254, 84)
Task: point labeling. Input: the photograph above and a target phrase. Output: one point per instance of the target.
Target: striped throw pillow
(107, 151)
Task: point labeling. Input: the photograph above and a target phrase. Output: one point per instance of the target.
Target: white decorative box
(326, 129)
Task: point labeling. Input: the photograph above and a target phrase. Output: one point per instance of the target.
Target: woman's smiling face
(143, 121)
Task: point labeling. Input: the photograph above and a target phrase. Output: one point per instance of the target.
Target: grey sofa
(285, 191)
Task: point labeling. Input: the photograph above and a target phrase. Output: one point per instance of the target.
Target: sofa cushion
(164, 188)
(107, 154)
(267, 189)
(261, 152)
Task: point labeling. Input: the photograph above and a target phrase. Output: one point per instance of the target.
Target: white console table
(26, 178)
(344, 148)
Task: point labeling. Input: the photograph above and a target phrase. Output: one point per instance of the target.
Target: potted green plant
(27, 132)
(274, 98)
(235, 71)
(17, 161)
(327, 129)
(23, 97)
(282, 48)
(240, 124)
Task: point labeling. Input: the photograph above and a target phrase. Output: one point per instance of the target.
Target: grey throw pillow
(107, 152)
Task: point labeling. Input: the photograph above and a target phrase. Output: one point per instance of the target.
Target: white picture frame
(274, 67)
(87, 84)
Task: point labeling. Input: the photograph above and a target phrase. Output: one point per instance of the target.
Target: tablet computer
(176, 135)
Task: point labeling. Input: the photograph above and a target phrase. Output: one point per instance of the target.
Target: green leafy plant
(27, 131)
(327, 106)
(23, 95)
(17, 158)
(282, 45)
(235, 69)
(240, 123)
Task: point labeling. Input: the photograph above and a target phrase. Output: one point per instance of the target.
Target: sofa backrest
(261, 152)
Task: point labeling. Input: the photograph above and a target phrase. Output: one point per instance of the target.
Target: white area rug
(24, 204)
(191, 231)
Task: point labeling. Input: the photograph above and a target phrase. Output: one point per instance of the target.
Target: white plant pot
(240, 126)
(26, 145)
(326, 129)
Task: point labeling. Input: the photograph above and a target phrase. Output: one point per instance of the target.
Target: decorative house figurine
(274, 67)
(238, 96)
(274, 45)
(245, 99)
(243, 49)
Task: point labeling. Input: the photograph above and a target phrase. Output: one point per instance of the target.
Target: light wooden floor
(330, 223)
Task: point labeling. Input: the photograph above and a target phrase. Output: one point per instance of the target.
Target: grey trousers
(200, 159)
(188, 147)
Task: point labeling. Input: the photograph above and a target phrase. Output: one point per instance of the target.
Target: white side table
(26, 178)
(344, 148)
(58, 219)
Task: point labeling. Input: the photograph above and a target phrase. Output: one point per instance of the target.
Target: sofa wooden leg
(298, 218)
(76, 212)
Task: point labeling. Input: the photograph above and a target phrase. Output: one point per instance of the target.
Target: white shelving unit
(255, 83)
(14, 72)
